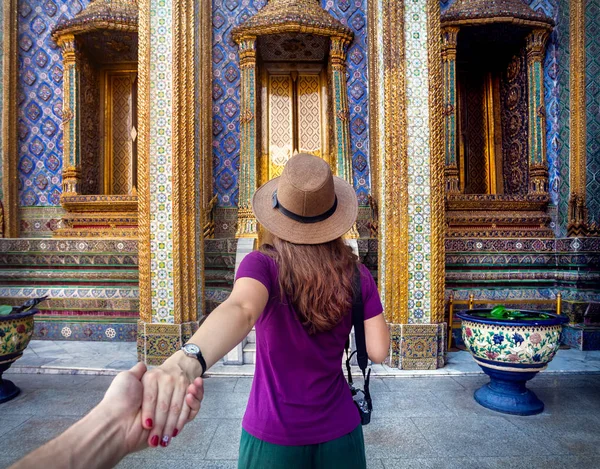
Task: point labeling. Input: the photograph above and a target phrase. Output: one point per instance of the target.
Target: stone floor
(106, 358)
(419, 422)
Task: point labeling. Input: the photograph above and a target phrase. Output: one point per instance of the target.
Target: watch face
(191, 348)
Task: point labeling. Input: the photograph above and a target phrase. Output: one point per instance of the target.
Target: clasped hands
(150, 407)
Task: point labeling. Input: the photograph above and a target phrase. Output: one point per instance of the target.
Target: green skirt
(346, 452)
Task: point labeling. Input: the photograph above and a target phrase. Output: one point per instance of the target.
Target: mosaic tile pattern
(65, 330)
(156, 342)
(353, 15)
(39, 222)
(161, 160)
(226, 96)
(445, 4)
(592, 88)
(419, 346)
(40, 100)
(418, 150)
(103, 293)
(1, 100)
(581, 338)
(226, 92)
(562, 29)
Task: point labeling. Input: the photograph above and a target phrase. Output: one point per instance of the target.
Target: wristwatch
(192, 350)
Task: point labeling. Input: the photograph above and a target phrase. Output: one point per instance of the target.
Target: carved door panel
(120, 133)
(293, 118)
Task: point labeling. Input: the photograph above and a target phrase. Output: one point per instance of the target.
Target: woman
(298, 293)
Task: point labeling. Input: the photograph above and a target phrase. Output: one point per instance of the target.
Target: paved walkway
(106, 358)
(426, 422)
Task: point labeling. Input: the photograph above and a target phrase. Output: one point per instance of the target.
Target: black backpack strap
(358, 321)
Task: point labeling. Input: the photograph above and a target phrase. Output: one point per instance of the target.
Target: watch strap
(202, 361)
(198, 355)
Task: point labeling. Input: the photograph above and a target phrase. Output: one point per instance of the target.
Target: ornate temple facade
(134, 133)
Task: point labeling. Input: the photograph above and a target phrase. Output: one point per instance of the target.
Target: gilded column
(9, 193)
(168, 213)
(578, 216)
(538, 166)
(341, 115)
(449, 41)
(247, 224)
(341, 131)
(411, 169)
(71, 157)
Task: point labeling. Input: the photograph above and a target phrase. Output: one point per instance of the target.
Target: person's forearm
(93, 442)
(222, 330)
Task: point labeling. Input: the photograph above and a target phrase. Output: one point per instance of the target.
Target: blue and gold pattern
(226, 93)
(592, 105)
(40, 100)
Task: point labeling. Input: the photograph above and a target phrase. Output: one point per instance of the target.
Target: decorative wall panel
(161, 161)
(515, 122)
(40, 100)
(280, 122)
(89, 109)
(419, 104)
(592, 106)
(564, 110)
(2, 91)
(121, 134)
(353, 14)
(226, 92)
(309, 114)
(226, 96)
(473, 122)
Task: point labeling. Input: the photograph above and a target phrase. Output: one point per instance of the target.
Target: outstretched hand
(122, 402)
(171, 399)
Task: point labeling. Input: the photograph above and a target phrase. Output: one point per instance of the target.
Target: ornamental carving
(513, 94)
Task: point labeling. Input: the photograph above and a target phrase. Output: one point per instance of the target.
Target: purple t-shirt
(299, 394)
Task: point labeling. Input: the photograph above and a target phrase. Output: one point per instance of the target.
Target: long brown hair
(315, 279)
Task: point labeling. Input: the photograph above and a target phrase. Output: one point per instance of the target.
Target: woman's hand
(172, 397)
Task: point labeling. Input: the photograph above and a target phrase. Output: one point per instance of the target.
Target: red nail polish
(149, 423)
(175, 432)
(165, 441)
(154, 441)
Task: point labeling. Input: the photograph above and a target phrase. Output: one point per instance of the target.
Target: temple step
(249, 353)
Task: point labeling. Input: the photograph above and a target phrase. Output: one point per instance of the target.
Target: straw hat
(306, 204)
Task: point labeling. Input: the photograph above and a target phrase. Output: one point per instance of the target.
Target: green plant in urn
(16, 329)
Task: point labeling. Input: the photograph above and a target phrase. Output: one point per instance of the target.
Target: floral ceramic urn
(511, 347)
(16, 329)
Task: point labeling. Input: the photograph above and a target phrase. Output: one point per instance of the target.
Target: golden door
(120, 131)
(294, 105)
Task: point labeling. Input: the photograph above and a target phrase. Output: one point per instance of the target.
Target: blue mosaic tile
(592, 105)
(89, 331)
(40, 100)
(562, 29)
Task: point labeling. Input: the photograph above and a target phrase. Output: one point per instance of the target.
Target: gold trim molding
(10, 201)
(578, 213)
(143, 161)
(393, 167)
(436, 161)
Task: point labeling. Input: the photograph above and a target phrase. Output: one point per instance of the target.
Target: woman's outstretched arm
(162, 411)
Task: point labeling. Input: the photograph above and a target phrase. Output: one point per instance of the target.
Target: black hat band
(300, 218)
